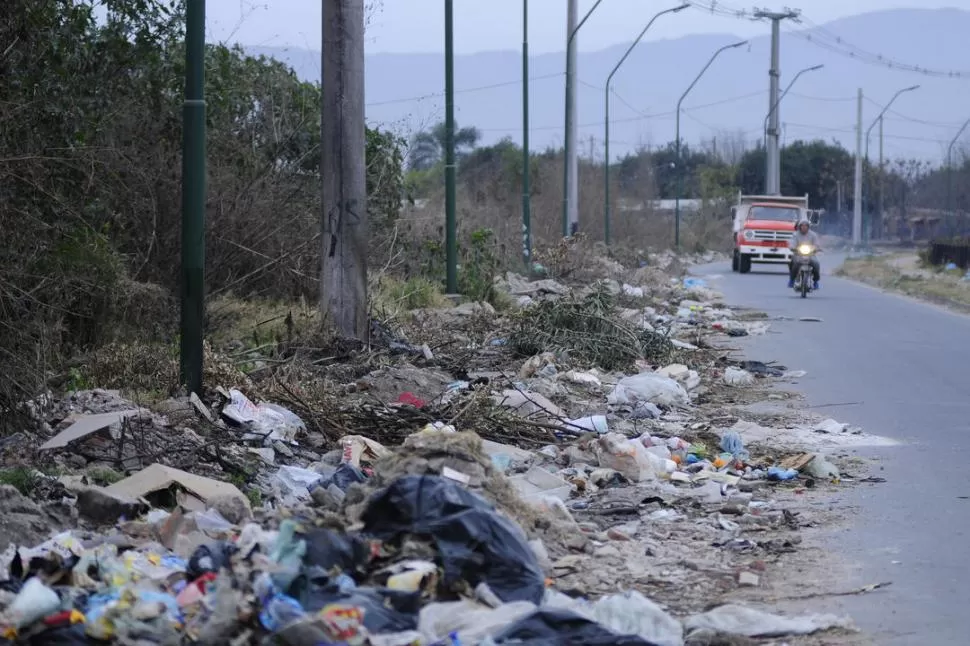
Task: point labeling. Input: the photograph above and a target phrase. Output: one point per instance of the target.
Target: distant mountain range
(404, 91)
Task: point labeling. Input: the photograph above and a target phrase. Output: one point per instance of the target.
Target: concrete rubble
(530, 498)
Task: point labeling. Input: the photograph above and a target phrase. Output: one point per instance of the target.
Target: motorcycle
(803, 273)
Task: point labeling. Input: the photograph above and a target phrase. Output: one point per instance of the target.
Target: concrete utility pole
(193, 200)
(857, 192)
(343, 276)
(773, 159)
(571, 224)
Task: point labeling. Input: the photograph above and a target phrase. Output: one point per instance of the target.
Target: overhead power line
(640, 117)
(826, 39)
(480, 88)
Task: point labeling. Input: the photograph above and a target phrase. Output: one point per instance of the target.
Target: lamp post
(949, 173)
(878, 119)
(680, 165)
(451, 221)
(764, 128)
(526, 157)
(193, 200)
(606, 133)
(568, 152)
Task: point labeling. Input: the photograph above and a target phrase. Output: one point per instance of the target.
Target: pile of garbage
(535, 486)
(417, 546)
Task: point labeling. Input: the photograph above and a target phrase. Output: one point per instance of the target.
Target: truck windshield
(776, 213)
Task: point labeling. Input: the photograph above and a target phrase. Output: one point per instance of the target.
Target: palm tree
(428, 146)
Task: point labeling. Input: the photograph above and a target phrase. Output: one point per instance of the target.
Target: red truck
(763, 225)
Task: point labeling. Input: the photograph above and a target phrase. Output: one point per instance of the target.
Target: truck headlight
(749, 235)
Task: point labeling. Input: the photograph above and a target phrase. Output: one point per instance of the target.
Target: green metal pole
(526, 155)
(567, 139)
(680, 175)
(193, 199)
(451, 225)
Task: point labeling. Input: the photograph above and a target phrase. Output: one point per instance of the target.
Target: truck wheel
(735, 263)
(744, 263)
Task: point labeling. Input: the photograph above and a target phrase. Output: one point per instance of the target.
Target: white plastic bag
(737, 378)
(627, 457)
(295, 483)
(631, 613)
(269, 420)
(649, 387)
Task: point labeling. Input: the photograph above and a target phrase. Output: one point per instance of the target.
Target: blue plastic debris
(777, 474)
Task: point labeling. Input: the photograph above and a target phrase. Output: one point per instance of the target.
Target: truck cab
(763, 227)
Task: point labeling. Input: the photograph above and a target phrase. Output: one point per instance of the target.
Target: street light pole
(193, 200)
(764, 128)
(569, 152)
(606, 132)
(868, 132)
(526, 155)
(451, 222)
(949, 173)
(680, 165)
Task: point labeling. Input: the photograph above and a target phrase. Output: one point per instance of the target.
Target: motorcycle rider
(804, 235)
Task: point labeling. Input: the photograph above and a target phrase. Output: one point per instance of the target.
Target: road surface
(907, 365)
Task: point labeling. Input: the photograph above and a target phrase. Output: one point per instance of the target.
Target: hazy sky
(480, 25)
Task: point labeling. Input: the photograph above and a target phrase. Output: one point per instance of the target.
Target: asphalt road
(901, 369)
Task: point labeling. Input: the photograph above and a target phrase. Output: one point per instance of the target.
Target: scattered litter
(738, 620)
(736, 377)
(264, 421)
(648, 387)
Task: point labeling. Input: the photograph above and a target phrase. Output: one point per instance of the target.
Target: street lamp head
(681, 7)
(813, 69)
(910, 89)
(739, 44)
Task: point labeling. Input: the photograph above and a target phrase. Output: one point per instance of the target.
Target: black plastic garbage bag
(328, 549)
(209, 558)
(345, 475)
(559, 627)
(475, 543)
(384, 610)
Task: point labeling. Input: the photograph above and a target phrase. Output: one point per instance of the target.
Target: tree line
(823, 170)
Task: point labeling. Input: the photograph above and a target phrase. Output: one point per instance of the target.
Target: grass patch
(937, 286)
(23, 479)
(259, 322)
(391, 296)
(104, 476)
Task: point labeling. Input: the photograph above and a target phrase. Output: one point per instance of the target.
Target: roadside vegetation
(90, 171)
(908, 273)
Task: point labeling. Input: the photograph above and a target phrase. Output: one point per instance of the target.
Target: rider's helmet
(805, 223)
